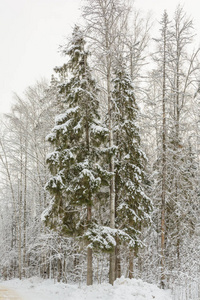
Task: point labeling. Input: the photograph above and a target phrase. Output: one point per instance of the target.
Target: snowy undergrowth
(128, 289)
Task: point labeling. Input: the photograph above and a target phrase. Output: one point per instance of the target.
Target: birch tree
(162, 58)
(177, 69)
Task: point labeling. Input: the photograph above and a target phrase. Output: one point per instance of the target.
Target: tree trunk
(25, 215)
(20, 230)
(89, 252)
(112, 183)
(163, 155)
(117, 260)
(131, 259)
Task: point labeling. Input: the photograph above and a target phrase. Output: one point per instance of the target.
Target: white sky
(32, 30)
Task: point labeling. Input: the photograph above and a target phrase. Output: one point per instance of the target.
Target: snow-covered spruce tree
(76, 137)
(132, 205)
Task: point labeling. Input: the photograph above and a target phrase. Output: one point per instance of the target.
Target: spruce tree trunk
(58, 270)
(117, 248)
(131, 259)
(89, 218)
(89, 252)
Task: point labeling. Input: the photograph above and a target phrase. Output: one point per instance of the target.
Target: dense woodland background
(100, 169)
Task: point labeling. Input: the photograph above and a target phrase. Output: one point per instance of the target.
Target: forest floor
(38, 289)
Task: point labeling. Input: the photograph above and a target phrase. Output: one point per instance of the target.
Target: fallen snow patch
(128, 289)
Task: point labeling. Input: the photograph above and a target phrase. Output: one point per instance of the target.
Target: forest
(100, 166)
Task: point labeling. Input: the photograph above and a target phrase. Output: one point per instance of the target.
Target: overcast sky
(32, 30)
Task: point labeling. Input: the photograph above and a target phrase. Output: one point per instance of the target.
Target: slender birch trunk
(20, 229)
(112, 170)
(163, 203)
(25, 215)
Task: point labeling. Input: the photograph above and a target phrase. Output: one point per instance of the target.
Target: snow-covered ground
(39, 289)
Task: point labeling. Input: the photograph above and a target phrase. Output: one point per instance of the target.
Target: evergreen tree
(132, 205)
(76, 136)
